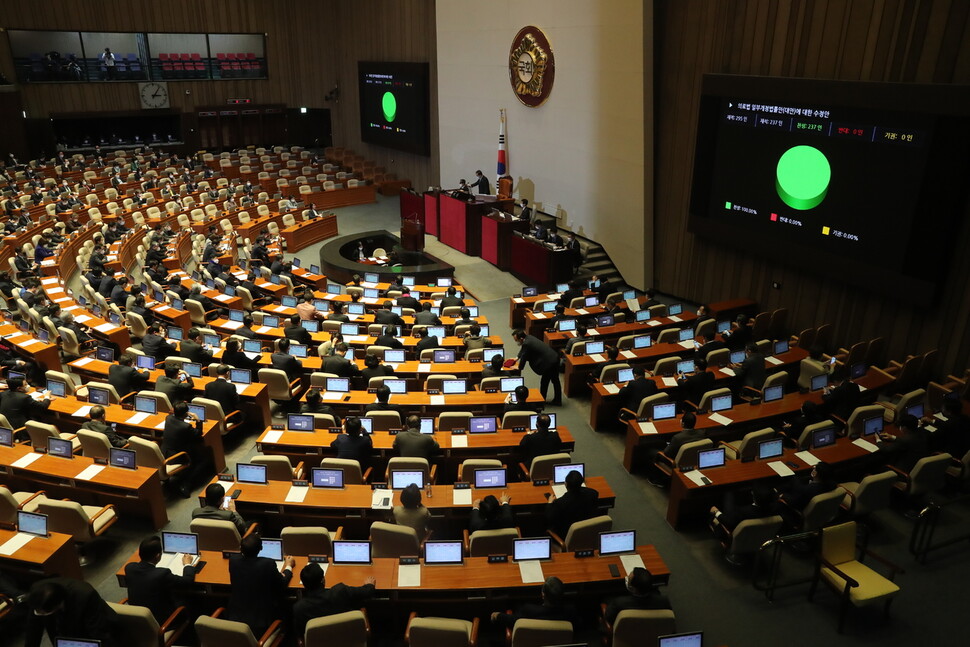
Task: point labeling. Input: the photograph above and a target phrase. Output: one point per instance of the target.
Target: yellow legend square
(825, 231)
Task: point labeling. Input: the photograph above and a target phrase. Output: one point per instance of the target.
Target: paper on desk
(808, 457)
(84, 361)
(424, 368)
(273, 436)
(517, 300)
(647, 427)
(597, 358)
(105, 327)
(728, 371)
(160, 425)
(437, 400)
(82, 412)
(781, 469)
(582, 311)
(48, 281)
(222, 297)
(89, 472)
(62, 299)
(675, 318)
(539, 315)
(459, 441)
(409, 575)
(719, 419)
(296, 494)
(281, 309)
(627, 354)
(554, 295)
(262, 330)
(82, 318)
(461, 497)
(369, 300)
(136, 418)
(15, 543)
(531, 571)
(633, 305)
(611, 388)
(592, 331)
(558, 489)
(631, 562)
(232, 325)
(773, 360)
(30, 342)
(865, 444)
(689, 343)
(368, 284)
(381, 500)
(332, 395)
(240, 387)
(669, 381)
(696, 476)
(26, 459)
(653, 322)
(861, 388)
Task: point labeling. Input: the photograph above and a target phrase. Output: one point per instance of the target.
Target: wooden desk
(343, 197)
(98, 327)
(41, 557)
(421, 401)
(537, 264)
(497, 238)
(28, 347)
(136, 493)
(307, 232)
(432, 206)
(460, 222)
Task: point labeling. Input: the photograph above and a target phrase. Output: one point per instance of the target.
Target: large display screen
(837, 178)
(394, 105)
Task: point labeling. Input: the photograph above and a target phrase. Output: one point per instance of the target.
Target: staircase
(598, 262)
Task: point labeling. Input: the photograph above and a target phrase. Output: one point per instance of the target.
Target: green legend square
(727, 205)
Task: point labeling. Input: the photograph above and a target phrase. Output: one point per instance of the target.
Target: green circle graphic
(389, 104)
(802, 177)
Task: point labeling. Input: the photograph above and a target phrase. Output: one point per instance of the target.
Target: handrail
(775, 545)
(924, 530)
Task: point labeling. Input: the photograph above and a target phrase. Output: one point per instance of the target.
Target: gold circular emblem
(532, 67)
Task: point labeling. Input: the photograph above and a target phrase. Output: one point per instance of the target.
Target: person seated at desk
(491, 513)
(463, 192)
(412, 443)
(808, 415)
(540, 232)
(61, 606)
(518, 400)
(63, 205)
(425, 341)
(217, 508)
(107, 285)
(387, 338)
(183, 433)
(551, 607)
(408, 301)
(842, 396)
(740, 335)
(283, 361)
(903, 450)
(724, 522)
(383, 396)
(196, 295)
(751, 372)
(495, 367)
(246, 329)
(223, 391)
(236, 358)
(693, 386)
(296, 332)
(708, 343)
(175, 285)
(643, 595)
(314, 403)
(96, 422)
(636, 389)
(411, 512)
(952, 435)
(425, 317)
(464, 318)
(318, 601)
(226, 276)
(7, 286)
(800, 492)
(352, 444)
(22, 264)
(612, 359)
(193, 349)
(540, 442)
(42, 250)
(374, 368)
(687, 434)
(152, 587)
(257, 591)
(451, 298)
(337, 312)
(119, 293)
(18, 406)
(306, 310)
(125, 378)
(338, 364)
(473, 338)
(385, 316)
(155, 253)
(577, 504)
(553, 237)
(176, 383)
(582, 334)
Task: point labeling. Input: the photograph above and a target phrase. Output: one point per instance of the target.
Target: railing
(924, 531)
(768, 559)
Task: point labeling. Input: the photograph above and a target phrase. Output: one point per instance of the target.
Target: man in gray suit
(412, 443)
(213, 509)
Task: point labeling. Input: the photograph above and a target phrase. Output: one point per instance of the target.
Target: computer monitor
(436, 331)
(198, 410)
(685, 366)
(174, 332)
(642, 341)
(58, 388)
(6, 437)
(60, 447)
(16, 375)
(367, 425)
(186, 543)
(454, 387)
(872, 426)
(351, 552)
(408, 281)
(685, 334)
(820, 381)
(472, 311)
(113, 317)
(707, 458)
(118, 457)
(241, 376)
(482, 425)
(192, 369)
(559, 472)
(531, 548)
(146, 362)
(682, 640)
(780, 347)
(333, 288)
(675, 309)
(771, 448)
(443, 552)
(271, 321)
(642, 315)
(629, 294)
(296, 262)
(737, 356)
(530, 291)
(774, 392)
(299, 350)
(236, 315)
(617, 542)
(299, 422)
(251, 473)
(400, 479)
(252, 346)
(229, 291)
(534, 417)
(509, 384)
(326, 477)
(371, 293)
(288, 301)
(399, 386)
(566, 325)
(394, 356)
(591, 301)
(310, 326)
(913, 410)
(624, 375)
(178, 304)
(665, 411)
(594, 347)
(356, 309)
(426, 426)
(349, 329)
(272, 548)
(857, 370)
(76, 642)
(32, 523)
(721, 403)
(314, 269)
(823, 437)
(592, 285)
(443, 357)
(723, 326)
(146, 404)
(105, 354)
(605, 321)
(489, 477)
(489, 353)
(276, 280)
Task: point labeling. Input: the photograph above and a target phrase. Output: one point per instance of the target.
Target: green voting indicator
(389, 104)
(802, 177)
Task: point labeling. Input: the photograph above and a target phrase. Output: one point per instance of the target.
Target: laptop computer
(327, 477)
(251, 473)
(708, 458)
(618, 542)
(772, 448)
(174, 546)
(695, 639)
(118, 457)
(443, 553)
(489, 477)
(299, 422)
(32, 523)
(534, 417)
(559, 473)
(351, 552)
(532, 548)
(273, 548)
(400, 479)
(483, 425)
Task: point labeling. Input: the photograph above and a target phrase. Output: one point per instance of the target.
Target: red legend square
(774, 217)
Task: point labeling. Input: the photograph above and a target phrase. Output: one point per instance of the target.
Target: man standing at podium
(482, 183)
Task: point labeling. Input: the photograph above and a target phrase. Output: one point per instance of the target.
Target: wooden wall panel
(918, 41)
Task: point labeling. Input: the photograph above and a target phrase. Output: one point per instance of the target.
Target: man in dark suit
(801, 492)
(554, 238)
(296, 332)
(62, 606)
(119, 293)
(125, 378)
(153, 587)
(451, 298)
(18, 406)
(484, 188)
(318, 601)
(708, 344)
(552, 607)
(257, 589)
(412, 443)
(575, 290)
(518, 400)
(154, 345)
(408, 301)
(193, 350)
(203, 300)
(223, 391)
(841, 397)
(183, 433)
(541, 442)
(643, 594)
(808, 415)
(425, 341)
(215, 493)
(636, 389)
(751, 372)
(425, 317)
(338, 362)
(953, 434)
(741, 334)
(176, 383)
(491, 514)
(382, 404)
(353, 444)
(694, 386)
(246, 329)
(904, 449)
(577, 504)
(387, 338)
(540, 232)
(386, 316)
(544, 360)
(374, 368)
(525, 212)
(236, 358)
(687, 435)
(285, 362)
(724, 522)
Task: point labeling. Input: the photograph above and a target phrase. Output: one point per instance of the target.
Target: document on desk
(697, 477)
(633, 305)
(84, 361)
(437, 400)
(611, 388)
(631, 562)
(232, 325)
(273, 436)
(82, 412)
(669, 381)
(518, 300)
(105, 327)
(627, 354)
(689, 343)
(866, 445)
(460, 440)
(15, 543)
(82, 318)
(50, 280)
(262, 330)
(296, 494)
(592, 331)
(26, 459)
(332, 395)
(773, 360)
(781, 469)
(29, 342)
(409, 575)
(597, 358)
(461, 497)
(381, 500)
(582, 311)
(558, 489)
(89, 472)
(652, 322)
(531, 571)
(719, 419)
(424, 368)
(647, 428)
(728, 371)
(136, 418)
(808, 457)
(539, 315)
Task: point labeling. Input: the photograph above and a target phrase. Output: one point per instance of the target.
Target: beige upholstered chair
(93, 444)
(384, 420)
(11, 502)
(140, 628)
(352, 472)
(582, 535)
(466, 470)
(148, 454)
(83, 523)
(213, 631)
(217, 534)
(748, 536)
(348, 629)
(868, 495)
(440, 632)
(483, 543)
(412, 464)
(686, 456)
(539, 633)
(393, 540)
(309, 540)
(39, 432)
(747, 449)
(279, 468)
(637, 627)
(542, 466)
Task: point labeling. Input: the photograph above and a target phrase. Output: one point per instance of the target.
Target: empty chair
(583, 535)
(11, 502)
(482, 543)
(149, 454)
(466, 471)
(666, 366)
(218, 534)
(278, 468)
(821, 510)
(348, 629)
(440, 632)
(83, 522)
(747, 449)
(213, 631)
(308, 540)
(745, 539)
(638, 627)
(140, 628)
(93, 444)
(868, 495)
(645, 408)
(412, 464)
(542, 466)
(450, 420)
(280, 388)
(384, 420)
(393, 540)
(705, 404)
(213, 411)
(539, 633)
(926, 477)
(351, 468)
(39, 432)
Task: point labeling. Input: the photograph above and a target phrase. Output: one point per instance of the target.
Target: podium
(497, 235)
(431, 200)
(460, 222)
(412, 234)
(537, 264)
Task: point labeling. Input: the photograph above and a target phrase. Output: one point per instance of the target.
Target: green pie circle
(802, 177)
(389, 104)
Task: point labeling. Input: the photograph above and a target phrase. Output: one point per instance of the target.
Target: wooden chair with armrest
(213, 631)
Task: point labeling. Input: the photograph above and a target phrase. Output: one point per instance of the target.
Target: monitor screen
(276, 280)
(272, 548)
(642, 341)
(710, 458)
(473, 311)
(400, 479)
(32, 523)
(237, 315)
(565, 325)
(823, 437)
(665, 411)
(371, 277)
(771, 448)
(487, 478)
(489, 353)
(198, 410)
(176, 333)
(146, 362)
(624, 375)
(299, 422)
(76, 642)
(349, 329)
(296, 262)
(299, 350)
(820, 381)
(509, 384)
(178, 304)
(737, 356)
(251, 473)
(780, 347)
(685, 334)
(105, 354)
(533, 418)
(872, 426)
(314, 269)
(427, 426)
(394, 355)
(444, 282)
(591, 301)
(723, 326)
(356, 309)
(775, 392)
(559, 472)
(629, 294)
(915, 410)
(454, 387)
(857, 370)
(367, 425)
(60, 447)
(594, 347)
(122, 458)
(351, 552)
(333, 288)
(720, 403)
(6, 437)
(617, 542)
(271, 321)
(371, 293)
(146, 404)
(642, 315)
(252, 346)
(229, 291)
(685, 366)
(530, 291)
(531, 548)
(682, 640)
(675, 309)
(241, 376)
(57, 388)
(327, 477)
(310, 326)
(442, 552)
(193, 370)
(605, 321)
(338, 384)
(436, 331)
(483, 425)
(408, 281)
(444, 357)
(399, 386)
